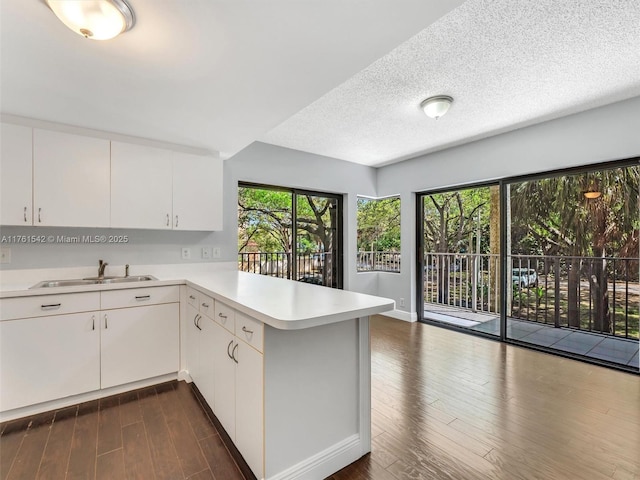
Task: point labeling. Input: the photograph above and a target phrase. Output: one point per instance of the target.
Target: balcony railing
(585, 293)
(378, 261)
(310, 267)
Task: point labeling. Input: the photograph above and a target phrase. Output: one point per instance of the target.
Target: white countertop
(286, 304)
(280, 303)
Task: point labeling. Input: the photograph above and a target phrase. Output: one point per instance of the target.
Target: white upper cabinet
(141, 186)
(197, 192)
(71, 176)
(15, 181)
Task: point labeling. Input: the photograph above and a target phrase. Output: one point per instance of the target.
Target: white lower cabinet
(56, 346)
(138, 343)
(230, 356)
(249, 407)
(47, 358)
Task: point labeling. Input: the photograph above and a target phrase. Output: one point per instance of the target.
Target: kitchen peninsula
(285, 366)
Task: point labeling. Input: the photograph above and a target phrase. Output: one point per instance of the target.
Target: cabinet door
(47, 358)
(139, 343)
(16, 167)
(224, 371)
(249, 407)
(197, 193)
(193, 343)
(70, 180)
(207, 359)
(141, 186)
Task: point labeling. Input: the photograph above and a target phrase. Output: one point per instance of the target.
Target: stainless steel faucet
(101, 266)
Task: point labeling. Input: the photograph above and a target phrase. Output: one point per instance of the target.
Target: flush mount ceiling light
(437, 106)
(95, 19)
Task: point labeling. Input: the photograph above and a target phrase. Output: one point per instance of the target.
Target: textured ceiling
(506, 63)
(209, 74)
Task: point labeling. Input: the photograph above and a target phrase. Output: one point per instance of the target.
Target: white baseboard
(184, 375)
(324, 463)
(400, 315)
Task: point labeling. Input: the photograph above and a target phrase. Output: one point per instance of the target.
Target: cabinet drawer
(225, 316)
(45, 305)
(135, 297)
(193, 297)
(206, 305)
(250, 330)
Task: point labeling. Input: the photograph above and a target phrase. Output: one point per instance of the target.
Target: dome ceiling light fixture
(94, 19)
(437, 106)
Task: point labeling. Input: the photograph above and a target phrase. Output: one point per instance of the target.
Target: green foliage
(379, 224)
(451, 220)
(551, 216)
(265, 221)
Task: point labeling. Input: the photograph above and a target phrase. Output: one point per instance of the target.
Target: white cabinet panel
(70, 180)
(197, 192)
(192, 341)
(139, 343)
(225, 378)
(16, 169)
(206, 361)
(48, 358)
(249, 407)
(141, 186)
(139, 297)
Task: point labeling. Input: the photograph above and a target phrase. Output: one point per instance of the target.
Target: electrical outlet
(186, 253)
(5, 255)
(206, 253)
(216, 252)
(402, 302)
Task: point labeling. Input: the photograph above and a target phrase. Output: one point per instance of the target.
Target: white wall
(607, 133)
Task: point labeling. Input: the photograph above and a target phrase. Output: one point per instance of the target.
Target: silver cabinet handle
(176, 220)
(205, 305)
(143, 297)
(25, 214)
(106, 323)
(93, 322)
(233, 353)
(229, 346)
(192, 297)
(167, 219)
(245, 330)
(198, 322)
(39, 211)
(222, 316)
(50, 306)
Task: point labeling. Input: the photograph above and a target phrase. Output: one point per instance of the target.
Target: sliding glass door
(290, 233)
(550, 261)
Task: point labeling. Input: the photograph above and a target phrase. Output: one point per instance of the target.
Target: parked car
(524, 277)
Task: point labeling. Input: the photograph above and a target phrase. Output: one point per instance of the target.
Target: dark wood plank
(204, 475)
(200, 423)
(129, 408)
(56, 454)
(220, 462)
(110, 466)
(27, 459)
(13, 433)
(186, 444)
(137, 456)
(82, 459)
(109, 427)
(163, 454)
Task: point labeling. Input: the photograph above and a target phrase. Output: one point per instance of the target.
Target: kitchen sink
(93, 281)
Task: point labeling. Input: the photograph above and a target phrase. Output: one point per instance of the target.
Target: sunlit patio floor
(603, 347)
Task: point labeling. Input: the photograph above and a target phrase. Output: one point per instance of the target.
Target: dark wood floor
(445, 406)
(159, 432)
(452, 406)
